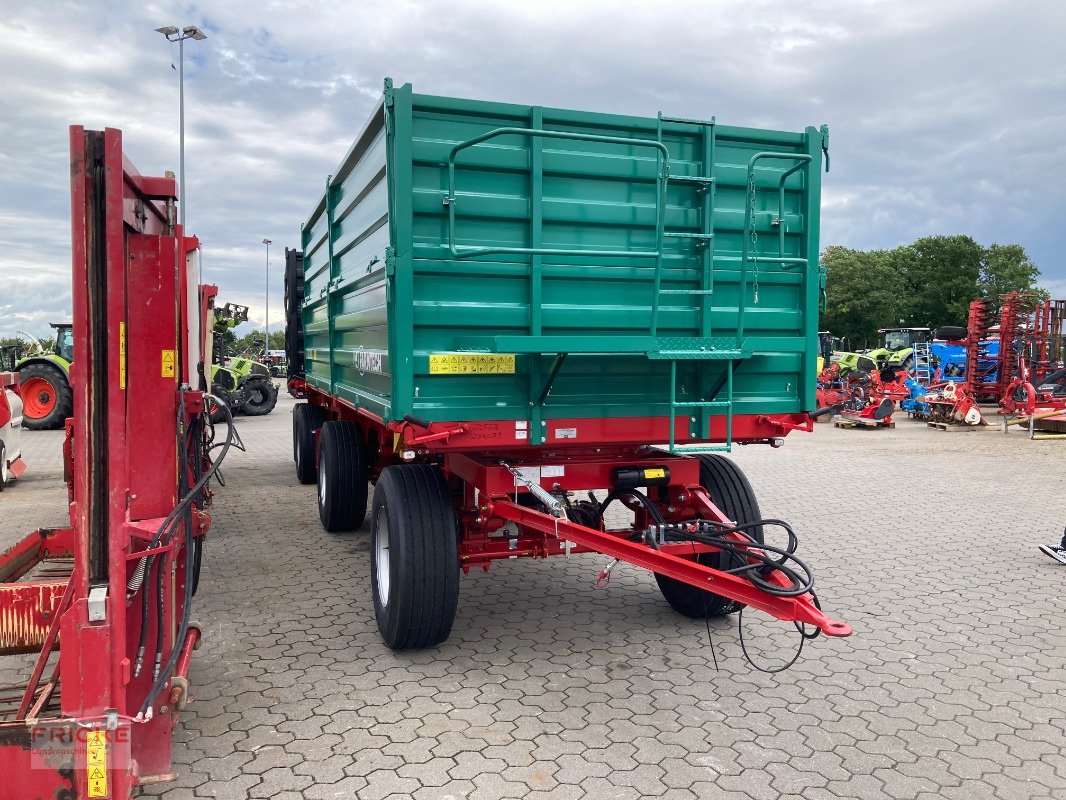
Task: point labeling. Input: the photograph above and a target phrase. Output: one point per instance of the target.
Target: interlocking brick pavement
(951, 687)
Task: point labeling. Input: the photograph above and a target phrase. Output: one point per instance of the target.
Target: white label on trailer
(521, 424)
(566, 433)
(368, 362)
(531, 474)
(552, 472)
(521, 434)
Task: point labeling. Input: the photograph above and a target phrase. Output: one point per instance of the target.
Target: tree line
(928, 283)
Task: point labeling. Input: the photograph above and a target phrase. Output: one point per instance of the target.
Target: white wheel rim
(322, 481)
(381, 558)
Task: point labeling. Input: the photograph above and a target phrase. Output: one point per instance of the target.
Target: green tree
(252, 342)
(930, 282)
(864, 290)
(941, 275)
(1007, 268)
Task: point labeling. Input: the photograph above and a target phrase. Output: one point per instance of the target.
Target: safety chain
(754, 238)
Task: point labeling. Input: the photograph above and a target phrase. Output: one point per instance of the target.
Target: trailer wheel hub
(381, 558)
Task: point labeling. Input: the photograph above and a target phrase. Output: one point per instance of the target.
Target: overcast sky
(945, 117)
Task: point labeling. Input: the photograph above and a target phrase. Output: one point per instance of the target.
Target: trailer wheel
(414, 557)
(306, 420)
(731, 492)
(342, 476)
(3, 466)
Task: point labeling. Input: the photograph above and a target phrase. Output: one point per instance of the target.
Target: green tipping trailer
(472, 260)
(496, 307)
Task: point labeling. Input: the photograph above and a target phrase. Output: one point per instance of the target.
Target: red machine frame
(476, 456)
(76, 728)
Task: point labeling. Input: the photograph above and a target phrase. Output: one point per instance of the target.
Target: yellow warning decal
(656, 472)
(122, 355)
(96, 762)
(471, 364)
(168, 364)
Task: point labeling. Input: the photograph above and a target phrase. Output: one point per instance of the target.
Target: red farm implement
(860, 399)
(105, 602)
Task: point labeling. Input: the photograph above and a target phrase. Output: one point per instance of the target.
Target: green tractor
(44, 380)
(242, 383)
(896, 350)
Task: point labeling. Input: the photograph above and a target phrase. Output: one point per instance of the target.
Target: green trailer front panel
(462, 246)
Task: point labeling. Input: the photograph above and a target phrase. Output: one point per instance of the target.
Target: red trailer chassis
(96, 715)
(479, 460)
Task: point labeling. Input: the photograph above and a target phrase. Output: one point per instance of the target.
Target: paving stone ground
(952, 686)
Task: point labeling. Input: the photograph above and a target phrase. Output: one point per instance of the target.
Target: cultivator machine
(100, 610)
(1023, 326)
(861, 399)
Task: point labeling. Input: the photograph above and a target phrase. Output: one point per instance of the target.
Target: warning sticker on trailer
(471, 364)
(168, 364)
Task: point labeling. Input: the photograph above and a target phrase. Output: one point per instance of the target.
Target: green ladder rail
(705, 185)
(749, 251)
(703, 406)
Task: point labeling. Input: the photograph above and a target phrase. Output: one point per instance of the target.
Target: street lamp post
(266, 308)
(174, 34)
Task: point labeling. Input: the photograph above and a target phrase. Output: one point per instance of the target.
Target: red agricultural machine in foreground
(105, 602)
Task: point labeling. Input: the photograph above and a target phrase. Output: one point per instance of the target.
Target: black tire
(260, 396)
(413, 524)
(60, 389)
(214, 412)
(306, 420)
(342, 476)
(3, 464)
(731, 492)
(950, 332)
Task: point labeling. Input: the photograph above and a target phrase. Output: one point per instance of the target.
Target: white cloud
(945, 117)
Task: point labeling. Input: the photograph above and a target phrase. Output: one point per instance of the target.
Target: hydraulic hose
(183, 510)
(186, 501)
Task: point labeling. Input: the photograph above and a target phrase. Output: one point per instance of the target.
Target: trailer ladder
(688, 348)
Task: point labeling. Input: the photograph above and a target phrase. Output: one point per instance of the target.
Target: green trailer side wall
(383, 291)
